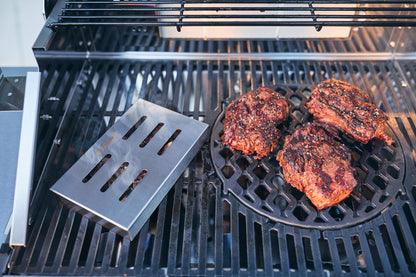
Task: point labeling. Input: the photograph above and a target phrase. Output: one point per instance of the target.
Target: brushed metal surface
(26, 159)
(9, 148)
(101, 202)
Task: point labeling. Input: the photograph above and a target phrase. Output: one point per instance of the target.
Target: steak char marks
(250, 123)
(317, 164)
(340, 105)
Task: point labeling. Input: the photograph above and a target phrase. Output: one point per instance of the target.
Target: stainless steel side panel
(10, 122)
(26, 157)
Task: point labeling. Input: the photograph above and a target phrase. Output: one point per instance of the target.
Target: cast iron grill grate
(196, 230)
(260, 183)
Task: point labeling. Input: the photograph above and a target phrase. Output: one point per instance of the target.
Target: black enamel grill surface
(198, 229)
(260, 183)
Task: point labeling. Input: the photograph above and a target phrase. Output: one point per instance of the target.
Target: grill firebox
(197, 229)
(97, 58)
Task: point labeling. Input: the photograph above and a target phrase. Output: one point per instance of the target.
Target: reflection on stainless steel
(9, 148)
(123, 177)
(25, 165)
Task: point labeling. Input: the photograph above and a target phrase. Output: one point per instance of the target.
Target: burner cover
(259, 184)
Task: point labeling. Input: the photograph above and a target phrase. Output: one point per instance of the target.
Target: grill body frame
(89, 71)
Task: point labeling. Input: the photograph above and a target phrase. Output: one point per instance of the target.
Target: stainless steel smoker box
(122, 178)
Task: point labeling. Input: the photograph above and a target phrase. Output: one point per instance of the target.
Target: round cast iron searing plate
(259, 184)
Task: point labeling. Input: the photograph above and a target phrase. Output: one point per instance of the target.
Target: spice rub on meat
(315, 163)
(347, 108)
(250, 123)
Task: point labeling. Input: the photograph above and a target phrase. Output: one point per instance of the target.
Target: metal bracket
(48, 31)
(179, 24)
(318, 26)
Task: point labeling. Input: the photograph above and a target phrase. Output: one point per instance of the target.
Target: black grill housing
(197, 229)
(92, 73)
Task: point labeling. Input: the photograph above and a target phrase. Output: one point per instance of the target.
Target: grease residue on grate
(260, 184)
(123, 177)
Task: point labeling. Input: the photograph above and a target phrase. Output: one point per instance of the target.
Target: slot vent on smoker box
(169, 142)
(134, 128)
(114, 177)
(96, 168)
(120, 205)
(133, 185)
(151, 135)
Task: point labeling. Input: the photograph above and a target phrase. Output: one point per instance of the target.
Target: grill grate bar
(350, 253)
(33, 238)
(396, 246)
(334, 253)
(411, 241)
(57, 262)
(300, 252)
(77, 247)
(118, 93)
(51, 231)
(284, 251)
(382, 251)
(74, 122)
(187, 229)
(89, 264)
(250, 244)
(175, 239)
(142, 238)
(316, 253)
(57, 84)
(91, 111)
(157, 252)
(213, 8)
(267, 251)
(300, 16)
(219, 232)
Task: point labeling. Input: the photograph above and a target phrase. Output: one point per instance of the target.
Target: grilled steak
(250, 123)
(315, 163)
(347, 108)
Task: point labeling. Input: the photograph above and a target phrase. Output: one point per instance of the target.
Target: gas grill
(228, 213)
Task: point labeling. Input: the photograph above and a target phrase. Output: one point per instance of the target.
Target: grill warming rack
(182, 13)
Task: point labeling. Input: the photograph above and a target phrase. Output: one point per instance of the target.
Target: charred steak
(347, 108)
(315, 163)
(250, 123)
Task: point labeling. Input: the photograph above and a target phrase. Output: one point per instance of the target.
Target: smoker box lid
(122, 178)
